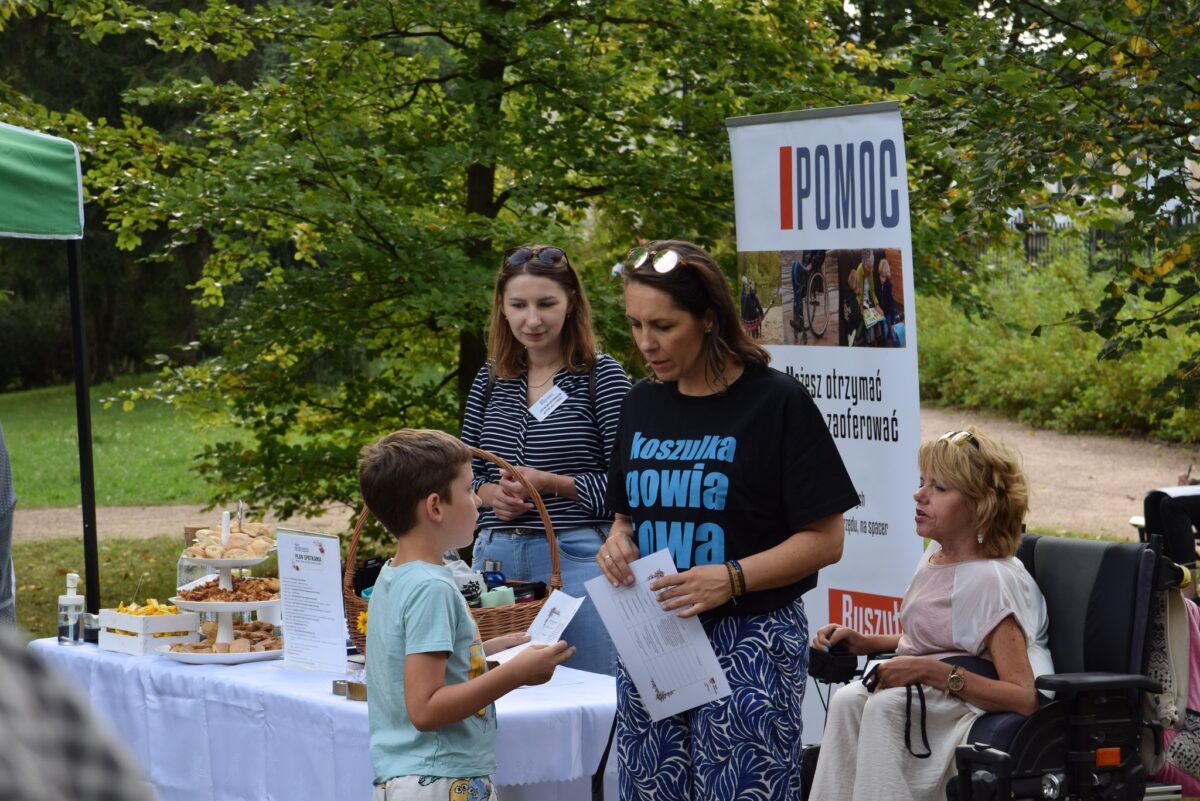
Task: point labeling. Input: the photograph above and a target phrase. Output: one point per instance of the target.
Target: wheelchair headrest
(1098, 598)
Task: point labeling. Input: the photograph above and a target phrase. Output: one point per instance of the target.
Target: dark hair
(578, 341)
(404, 468)
(698, 287)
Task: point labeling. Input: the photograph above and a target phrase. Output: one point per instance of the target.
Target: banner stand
(825, 268)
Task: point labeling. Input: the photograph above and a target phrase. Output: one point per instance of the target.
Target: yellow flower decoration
(362, 622)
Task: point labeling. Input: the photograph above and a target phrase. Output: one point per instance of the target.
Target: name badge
(548, 403)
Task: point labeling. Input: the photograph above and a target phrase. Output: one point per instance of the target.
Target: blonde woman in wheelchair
(892, 735)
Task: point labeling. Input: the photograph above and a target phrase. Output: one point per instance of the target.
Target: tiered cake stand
(225, 611)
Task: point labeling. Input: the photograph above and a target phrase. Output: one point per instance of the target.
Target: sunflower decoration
(362, 623)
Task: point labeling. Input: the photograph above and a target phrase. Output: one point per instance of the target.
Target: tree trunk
(481, 179)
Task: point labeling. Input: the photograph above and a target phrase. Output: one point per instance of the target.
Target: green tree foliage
(1072, 107)
(132, 310)
(353, 193)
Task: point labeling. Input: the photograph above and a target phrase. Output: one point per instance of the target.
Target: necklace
(544, 383)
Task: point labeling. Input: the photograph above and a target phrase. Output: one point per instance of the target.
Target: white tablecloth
(258, 732)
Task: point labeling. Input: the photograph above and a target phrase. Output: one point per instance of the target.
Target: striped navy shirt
(575, 440)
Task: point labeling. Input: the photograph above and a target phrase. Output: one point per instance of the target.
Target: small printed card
(547, 627)
(548, 403)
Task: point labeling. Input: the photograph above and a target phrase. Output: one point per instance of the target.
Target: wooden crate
(140, 639)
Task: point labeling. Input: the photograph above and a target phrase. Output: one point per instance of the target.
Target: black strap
(975, 664)
(598, 776)
(908, 691)
(491, 384)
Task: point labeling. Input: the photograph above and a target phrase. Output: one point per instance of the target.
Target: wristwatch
(955, 681)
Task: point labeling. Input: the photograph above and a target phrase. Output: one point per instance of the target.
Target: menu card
(310, 585)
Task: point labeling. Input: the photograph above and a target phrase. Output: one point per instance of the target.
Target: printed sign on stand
(310, 585)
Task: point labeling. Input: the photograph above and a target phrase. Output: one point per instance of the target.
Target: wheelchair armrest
(972, 754)
(1068, 685)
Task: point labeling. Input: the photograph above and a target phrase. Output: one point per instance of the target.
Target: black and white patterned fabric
(8, 501)
(8, 497)
(50, 745)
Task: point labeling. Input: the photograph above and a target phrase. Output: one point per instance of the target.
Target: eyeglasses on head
(959, 437)
(550, 256)
(662, 261)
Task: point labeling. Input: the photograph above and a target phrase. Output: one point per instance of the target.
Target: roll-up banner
(825, 275)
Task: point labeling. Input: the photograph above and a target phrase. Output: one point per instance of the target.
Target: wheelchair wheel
(818, 304)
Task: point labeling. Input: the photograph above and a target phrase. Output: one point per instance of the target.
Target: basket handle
(539, 504)
(555, 571)
(352, 551)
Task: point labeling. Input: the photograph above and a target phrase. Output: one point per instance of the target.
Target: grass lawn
(42, 569)
(141, 457)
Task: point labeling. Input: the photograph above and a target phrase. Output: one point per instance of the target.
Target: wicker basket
(492, 621)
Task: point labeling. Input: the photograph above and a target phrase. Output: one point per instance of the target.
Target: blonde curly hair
(989, 473)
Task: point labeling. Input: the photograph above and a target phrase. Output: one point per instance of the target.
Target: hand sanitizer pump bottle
(70, 614)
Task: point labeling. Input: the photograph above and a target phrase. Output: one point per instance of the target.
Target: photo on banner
(851, 297)
(825, 269)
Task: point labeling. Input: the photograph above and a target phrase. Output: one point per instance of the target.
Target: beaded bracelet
(737, 579)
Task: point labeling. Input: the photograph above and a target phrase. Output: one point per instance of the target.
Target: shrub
(987, 358)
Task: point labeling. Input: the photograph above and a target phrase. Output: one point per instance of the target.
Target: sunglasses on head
(663, 261)
(959, 437)
(549, 256)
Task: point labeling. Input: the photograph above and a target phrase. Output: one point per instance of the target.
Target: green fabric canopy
(41, 188)
(41, 197)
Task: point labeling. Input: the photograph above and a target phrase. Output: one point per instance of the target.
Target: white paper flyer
(669, 658)
(547, 627)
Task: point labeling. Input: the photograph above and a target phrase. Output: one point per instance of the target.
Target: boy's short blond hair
(404, 468)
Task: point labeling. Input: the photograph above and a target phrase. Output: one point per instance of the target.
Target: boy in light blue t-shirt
(432, 719)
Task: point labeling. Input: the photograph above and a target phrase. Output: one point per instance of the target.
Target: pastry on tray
(251, 637)
(244, 590)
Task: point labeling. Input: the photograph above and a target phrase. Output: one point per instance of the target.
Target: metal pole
(83, 416)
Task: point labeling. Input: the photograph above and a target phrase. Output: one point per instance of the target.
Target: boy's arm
(432, 703)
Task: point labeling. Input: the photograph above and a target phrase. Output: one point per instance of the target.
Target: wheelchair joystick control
(835, 665)
(1053, 785)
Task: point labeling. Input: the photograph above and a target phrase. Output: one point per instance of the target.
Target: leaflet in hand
(547, 627)
(669, 658)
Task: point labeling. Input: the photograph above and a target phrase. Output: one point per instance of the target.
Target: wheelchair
(1085, 744)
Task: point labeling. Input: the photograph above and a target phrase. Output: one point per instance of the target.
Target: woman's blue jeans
(525, 556)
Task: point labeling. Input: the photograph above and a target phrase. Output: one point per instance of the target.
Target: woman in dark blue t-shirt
(728, 464)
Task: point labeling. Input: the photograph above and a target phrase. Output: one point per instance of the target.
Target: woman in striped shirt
(547, 403)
